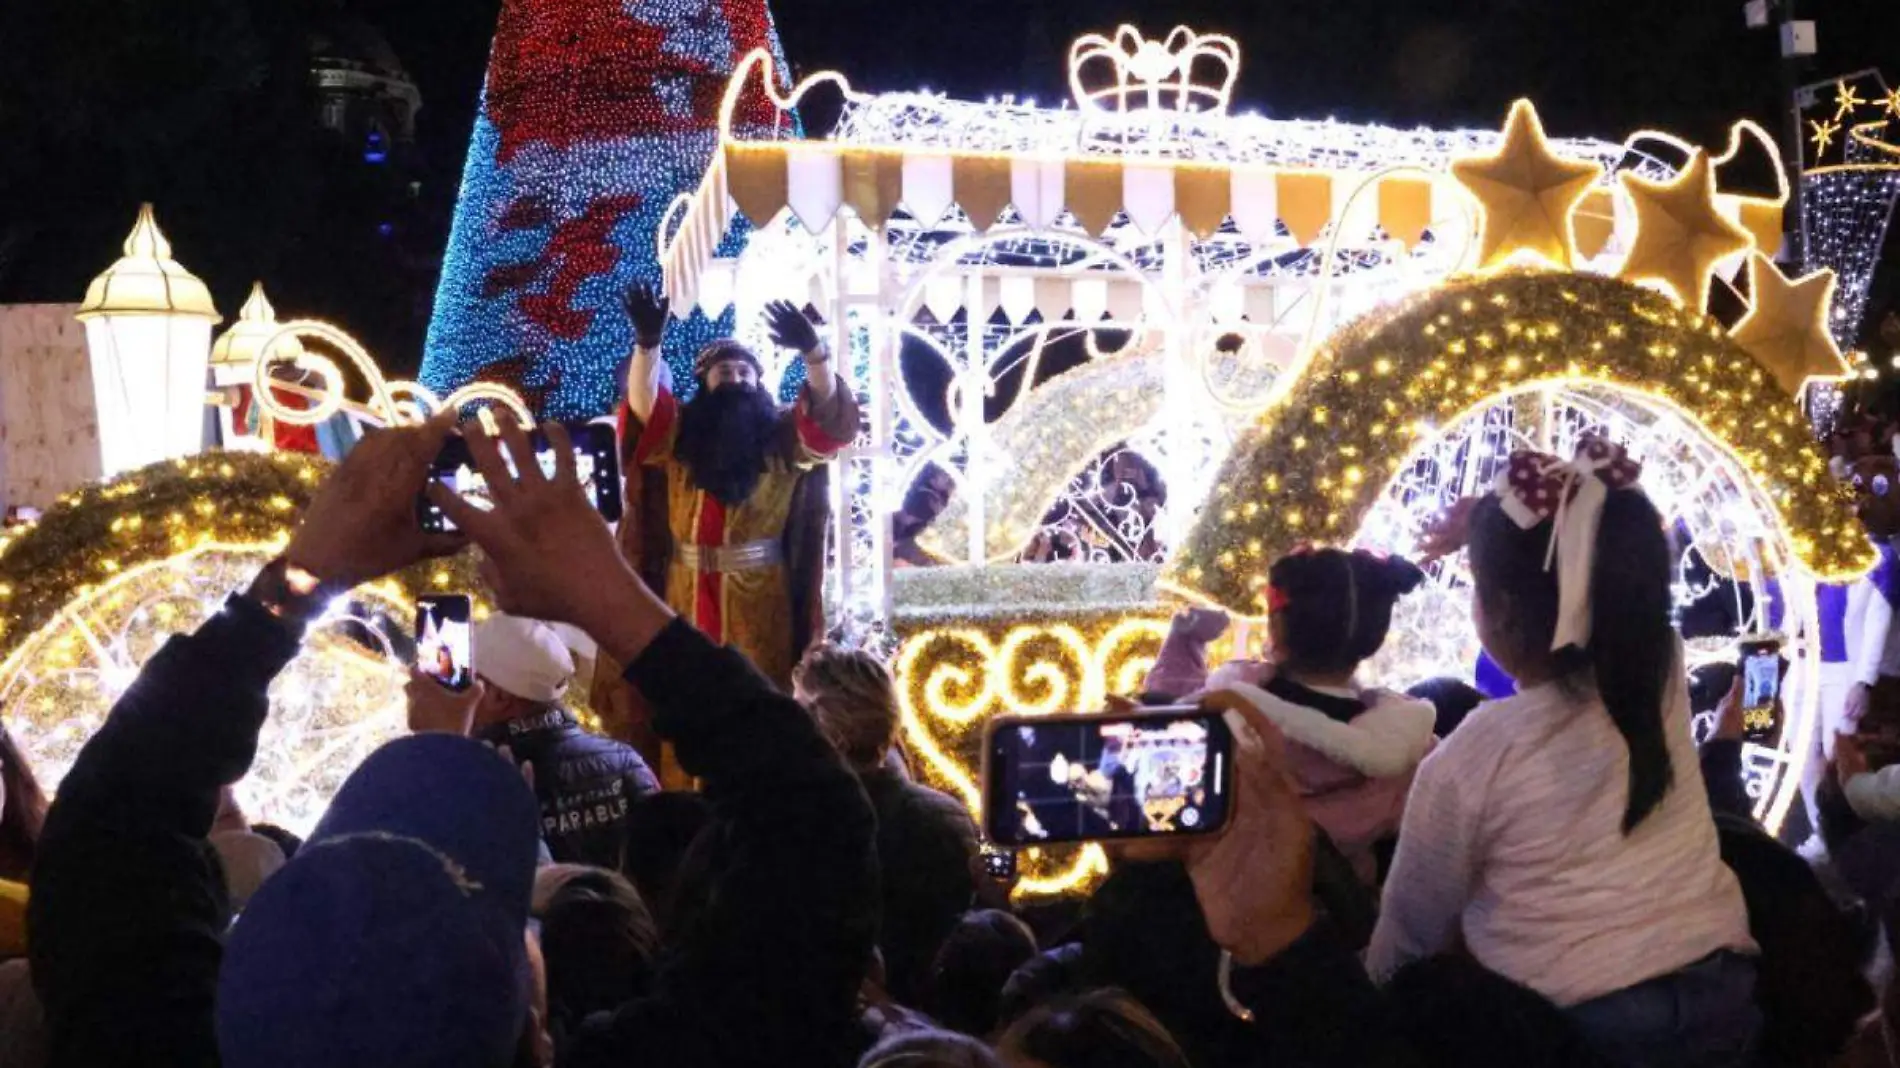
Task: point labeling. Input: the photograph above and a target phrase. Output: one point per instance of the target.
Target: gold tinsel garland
(105, 529)
(1319, 460)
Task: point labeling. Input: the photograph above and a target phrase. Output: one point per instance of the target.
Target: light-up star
(1892, 100)
(1786, 329)
(1680, 236)
(1823, 133)
(1846, 99)
(1528, 193)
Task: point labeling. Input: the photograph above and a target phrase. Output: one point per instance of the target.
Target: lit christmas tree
(595, 115)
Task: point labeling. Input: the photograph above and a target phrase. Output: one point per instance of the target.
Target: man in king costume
(726, 493)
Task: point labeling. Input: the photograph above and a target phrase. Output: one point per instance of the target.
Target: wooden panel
(49, 433)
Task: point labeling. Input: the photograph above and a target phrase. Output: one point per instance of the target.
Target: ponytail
(1632, 647)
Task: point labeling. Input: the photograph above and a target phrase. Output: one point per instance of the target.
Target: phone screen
(596, 464)
(1761, 690)
(445, 640)
(1084, 778)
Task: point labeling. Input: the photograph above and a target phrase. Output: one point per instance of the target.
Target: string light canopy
(1180, 250)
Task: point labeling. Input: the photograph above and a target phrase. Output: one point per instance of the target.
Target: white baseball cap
(524, 657)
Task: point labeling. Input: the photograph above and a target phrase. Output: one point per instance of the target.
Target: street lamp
(148, 328)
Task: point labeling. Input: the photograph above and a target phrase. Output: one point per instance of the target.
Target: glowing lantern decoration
(148, 327)
(234, 367)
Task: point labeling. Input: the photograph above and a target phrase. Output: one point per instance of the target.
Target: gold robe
(749, 608)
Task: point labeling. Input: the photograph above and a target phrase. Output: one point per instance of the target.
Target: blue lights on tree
(595, 115)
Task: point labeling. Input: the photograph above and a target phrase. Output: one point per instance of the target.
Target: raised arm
(128, 913)
(647, 376)
(826, 415)
(791, 915)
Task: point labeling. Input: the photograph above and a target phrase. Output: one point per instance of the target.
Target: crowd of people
(1552, 872)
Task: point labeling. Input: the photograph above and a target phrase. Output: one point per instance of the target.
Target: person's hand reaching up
(550, 555)
(436, 709)
(1446, 533)
(362, 524)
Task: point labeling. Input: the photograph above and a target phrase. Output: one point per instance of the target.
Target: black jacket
(1313, 1005)
(585, 783)
(768, 970)
(127, 919)
(926, 847)
(128, 914)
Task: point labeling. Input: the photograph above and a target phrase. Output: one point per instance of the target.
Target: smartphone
(1761, 669)
(445, 639)
(1156, 773)
(596, 463)
(999, 863)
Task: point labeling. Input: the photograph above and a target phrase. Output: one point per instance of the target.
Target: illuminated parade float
(1115, 357)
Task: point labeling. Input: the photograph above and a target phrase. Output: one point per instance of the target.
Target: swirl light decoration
(390, 403)
(94, 588)
(1078, 635)
(1318, 460)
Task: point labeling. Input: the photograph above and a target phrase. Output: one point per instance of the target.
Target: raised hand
(436, 709)
(550, 555)
(1447, 534)
(790, 328)
(648, 309)
(362, 524)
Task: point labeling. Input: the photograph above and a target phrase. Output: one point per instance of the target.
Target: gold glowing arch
(1319, 459)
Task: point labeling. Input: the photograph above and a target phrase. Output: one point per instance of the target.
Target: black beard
(724, 438)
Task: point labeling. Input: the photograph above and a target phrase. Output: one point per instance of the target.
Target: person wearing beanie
(585, 783)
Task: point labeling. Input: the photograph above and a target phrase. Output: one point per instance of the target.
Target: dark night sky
(1594, 67)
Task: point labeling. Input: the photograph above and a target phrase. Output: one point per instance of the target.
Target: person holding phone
(401, 923)
(1563, 835)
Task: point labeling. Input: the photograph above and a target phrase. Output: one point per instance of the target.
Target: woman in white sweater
(1562, 836)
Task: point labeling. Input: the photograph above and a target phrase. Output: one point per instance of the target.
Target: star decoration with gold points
(1846, 99)
(1786, 327)
(1824, 131)
(1527, 192)
(1680, 236)
(1892, 102)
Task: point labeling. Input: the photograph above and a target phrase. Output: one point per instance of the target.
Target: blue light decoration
(1850, 182)
(596, 114)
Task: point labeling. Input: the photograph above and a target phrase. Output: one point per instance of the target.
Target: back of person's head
(1452, 1012)
(397, 934)
(930, 1049)
(1631, 652)
(523, 658)
(852, 694)
(287, 841)
(599, 941)
(661, 829)
(1809, 979)
(1332, 608)
(1452, 700)
(248, 860)
(978, 956)
(1100, 1029)
(22, 810)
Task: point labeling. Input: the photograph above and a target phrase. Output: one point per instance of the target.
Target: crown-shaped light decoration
(1145, 74)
